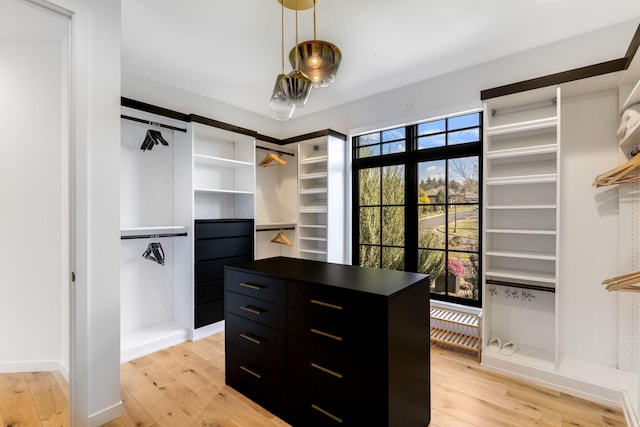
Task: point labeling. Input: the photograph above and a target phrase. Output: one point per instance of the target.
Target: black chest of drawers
(217, 242)
(322, 344)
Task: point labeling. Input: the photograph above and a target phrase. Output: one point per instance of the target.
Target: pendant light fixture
(282, 106)
(319, 60)
(296, 86)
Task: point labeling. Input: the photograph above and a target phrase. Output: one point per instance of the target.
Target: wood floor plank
(49, 399)
(16, 403)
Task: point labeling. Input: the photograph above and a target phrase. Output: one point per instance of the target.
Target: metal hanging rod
(521, 285)
(147, 122)
(275, 151)
(276, 229)
(152, 236)
(533, 106)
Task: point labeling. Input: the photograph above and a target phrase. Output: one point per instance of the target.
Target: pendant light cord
(314, 20)
(282, 38)
(296, 34)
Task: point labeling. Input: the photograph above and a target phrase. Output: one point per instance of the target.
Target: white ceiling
(230, 50)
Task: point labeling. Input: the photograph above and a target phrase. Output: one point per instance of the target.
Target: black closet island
(321, 344)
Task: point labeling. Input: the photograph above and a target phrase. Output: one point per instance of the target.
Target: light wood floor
(184, 386)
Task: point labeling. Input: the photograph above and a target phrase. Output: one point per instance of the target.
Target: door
(35, 211)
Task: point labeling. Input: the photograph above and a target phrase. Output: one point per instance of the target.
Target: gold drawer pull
(327, 413)
(326, 304)
(250, 338)
(326, 334)
(250, 372)
(250, 286)
(327, 370)
(251, 310)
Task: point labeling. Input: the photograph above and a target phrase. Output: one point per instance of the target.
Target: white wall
(33, 168)
(103, 191)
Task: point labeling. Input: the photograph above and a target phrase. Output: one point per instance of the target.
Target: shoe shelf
(457, 329)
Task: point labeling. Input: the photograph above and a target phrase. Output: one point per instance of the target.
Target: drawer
(205, 229)
(257, 310)
(255, 285)
(206, 271)
(254, 377)
(338, 332)
(332, 301)
(256, 338)
(223, 248)
(206, 314)
(209, 291)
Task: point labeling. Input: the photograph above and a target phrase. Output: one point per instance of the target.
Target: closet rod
(152, 236)
(147, 122)
(276, 151)
(276, 229)
(533, 106)
(521, 285)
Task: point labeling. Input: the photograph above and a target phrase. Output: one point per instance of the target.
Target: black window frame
(411, 158)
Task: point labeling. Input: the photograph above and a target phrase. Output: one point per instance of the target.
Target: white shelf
(522, 151)
(313, 251)
(314, 175)
(528, 357)
(315, 239)
(520, 254)
(312, 160)
(632, 139)
(525, 126)
(316, 226)
(160, 229)
(219, 161)
(314, 209)
(148, 340)
(633, 98)
(520, 231)
(524, 179)
(314, 191)
(534, 276)
(220, 191)
(518, 207)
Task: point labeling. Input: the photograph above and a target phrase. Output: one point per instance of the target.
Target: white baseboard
(34, 366)
(208, 330)
(104, 416)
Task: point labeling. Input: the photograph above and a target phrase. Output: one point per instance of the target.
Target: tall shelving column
(223, 188)
(321, 204)
(521, 245)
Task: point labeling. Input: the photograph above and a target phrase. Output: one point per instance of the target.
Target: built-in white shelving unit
(223, 173)
(321, 205)
(521, 244)
(155, 306)
(276, 201)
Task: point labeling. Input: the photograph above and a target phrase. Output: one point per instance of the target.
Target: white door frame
(75, 11)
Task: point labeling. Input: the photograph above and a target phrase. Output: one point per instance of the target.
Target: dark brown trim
(607, 67)
(154, 109)
(316, 134)
(556, 79)
(221, 125)
(266, 138)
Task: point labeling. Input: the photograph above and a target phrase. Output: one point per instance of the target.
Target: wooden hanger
(272, 159)
(282, 239)
(627, 172)
(629, 281)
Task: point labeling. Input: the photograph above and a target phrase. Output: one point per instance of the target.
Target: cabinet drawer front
(214, 269)
(223, 248)
(209, 291)
(337, 333)
(332, 301)
(256, 338)
(258, 310)
(205, 229)
(255, 378)
(206, 314)
(255, 285)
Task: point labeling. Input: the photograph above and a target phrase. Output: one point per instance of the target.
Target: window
(417, 203)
